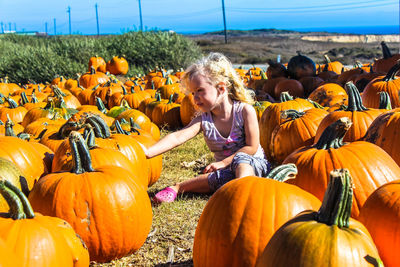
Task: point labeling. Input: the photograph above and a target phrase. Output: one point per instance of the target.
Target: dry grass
(171, 237)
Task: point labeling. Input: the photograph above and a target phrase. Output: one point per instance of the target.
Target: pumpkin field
(77, 187)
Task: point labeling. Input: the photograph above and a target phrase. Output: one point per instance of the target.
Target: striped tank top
(223, 147)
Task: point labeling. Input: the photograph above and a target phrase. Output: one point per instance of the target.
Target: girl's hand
(144, 149)
(214, 166)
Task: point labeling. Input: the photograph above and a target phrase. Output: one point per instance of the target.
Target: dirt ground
(257, 49)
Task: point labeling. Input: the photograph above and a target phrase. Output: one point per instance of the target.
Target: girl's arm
(174, 139)
(252, 134)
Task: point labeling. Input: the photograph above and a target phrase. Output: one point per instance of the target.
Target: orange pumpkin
(117, 66)
(92, 78)
(381, 214)
(298, 129)
(272, 117)
(240, 218)
(361, 116)
(23, 230)
(97, 63)
(327, 237)
(389, 83)
(315, 162)
(94, 201)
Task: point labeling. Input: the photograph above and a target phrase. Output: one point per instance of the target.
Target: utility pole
(69, 18)
(45, 27)
(55, 28)
(223, 14)
(97, 20)
(140, 16)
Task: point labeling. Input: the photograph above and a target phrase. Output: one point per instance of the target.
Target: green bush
(40, 59)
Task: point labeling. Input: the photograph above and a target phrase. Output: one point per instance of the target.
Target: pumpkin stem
(171, 99)
(16, 200)
(124, 104)
(327, 59)
(92, 70)
(67, 127)
(80, 153)
(100, 127)
(355, 102)
(24, 99)
(100, 105)
(134, 126)
(33, 97)
(391, 75)
(385, 51)
(384, 101)
(283, 172)
(9, 130)
(332, 136)
(315, 104)
(119, 129)
(11, 102)
(285, 96)
(124, 92)
(89, 136)
(376, 262)
(291, 114)
(57, 92)
(338, 199)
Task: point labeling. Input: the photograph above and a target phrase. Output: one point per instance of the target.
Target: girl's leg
(243, 170)
(198, 184)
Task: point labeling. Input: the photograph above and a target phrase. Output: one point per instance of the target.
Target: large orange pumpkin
(271, 117)
(105, 206)
(298, 129)
(381, 215)
(361, 116)
(117, 66)
(35, 239)
(92, 78)
(97, 63)
(240, 218)
(315, 162)
(389, 83)
(383, 132)
(327, 237)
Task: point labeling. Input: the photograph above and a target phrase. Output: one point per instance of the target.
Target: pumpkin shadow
(186, 263)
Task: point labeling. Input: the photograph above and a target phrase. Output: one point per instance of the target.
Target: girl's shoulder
(243, 106)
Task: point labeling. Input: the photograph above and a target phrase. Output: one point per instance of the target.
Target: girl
(229, 125)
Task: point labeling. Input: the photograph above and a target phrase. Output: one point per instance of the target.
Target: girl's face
(206, 96)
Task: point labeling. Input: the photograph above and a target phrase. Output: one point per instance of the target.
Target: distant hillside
(250, 32)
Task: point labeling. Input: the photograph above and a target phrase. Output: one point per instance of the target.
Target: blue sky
(194, 16)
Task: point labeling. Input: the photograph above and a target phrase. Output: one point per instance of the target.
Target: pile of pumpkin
(72, 161)
(332, 134)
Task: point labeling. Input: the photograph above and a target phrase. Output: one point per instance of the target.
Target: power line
(313, 8)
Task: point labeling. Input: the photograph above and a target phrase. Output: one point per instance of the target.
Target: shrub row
(40, 59)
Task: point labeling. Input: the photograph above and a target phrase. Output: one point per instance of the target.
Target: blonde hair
(217, 68)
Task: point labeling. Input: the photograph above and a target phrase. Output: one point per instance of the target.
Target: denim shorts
(220, 177)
